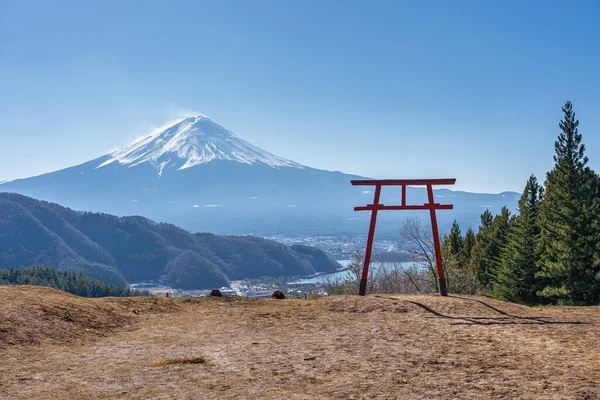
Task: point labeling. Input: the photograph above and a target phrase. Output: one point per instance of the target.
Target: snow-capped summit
(199, 175)
(192, 141)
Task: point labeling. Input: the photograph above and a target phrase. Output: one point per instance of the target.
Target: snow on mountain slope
(192, 141)
(201, 176)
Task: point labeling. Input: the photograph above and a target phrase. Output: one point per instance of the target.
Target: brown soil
(54, 345)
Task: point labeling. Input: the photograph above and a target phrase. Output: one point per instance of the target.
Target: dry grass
(378, 347)
(177, 361)
(35, 315)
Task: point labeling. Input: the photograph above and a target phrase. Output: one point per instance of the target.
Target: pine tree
(569, 219)
(477, 264)
(455, 239)
(516, 276)
(486, 220)
(459, 276)
(498, 240)
(489, 244)
(466, 251)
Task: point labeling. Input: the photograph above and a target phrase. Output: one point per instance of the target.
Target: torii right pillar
(431, 205)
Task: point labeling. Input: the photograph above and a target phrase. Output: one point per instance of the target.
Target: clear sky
(385, 89)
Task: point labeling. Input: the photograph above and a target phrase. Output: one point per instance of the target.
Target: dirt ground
(58, 346)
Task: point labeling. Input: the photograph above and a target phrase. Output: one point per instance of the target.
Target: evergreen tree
(456, 253)
(467, 247)
(477, 264)
(516, 276)
(489, 244)
(68, 281)
(486, 219)
(569, 221)
(498, 240)
(455, 238)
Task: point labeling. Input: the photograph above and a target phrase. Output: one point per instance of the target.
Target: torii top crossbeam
(431, 205)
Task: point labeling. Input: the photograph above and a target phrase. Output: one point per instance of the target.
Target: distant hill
(127, 249)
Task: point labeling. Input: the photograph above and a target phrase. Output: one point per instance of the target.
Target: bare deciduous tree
(418, 243)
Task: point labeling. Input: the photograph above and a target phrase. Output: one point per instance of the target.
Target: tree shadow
(483, 303)
(509, 319)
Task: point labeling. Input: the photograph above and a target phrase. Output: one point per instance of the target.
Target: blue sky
(386, 89)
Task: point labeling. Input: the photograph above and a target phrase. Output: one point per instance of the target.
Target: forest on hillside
(71, 282)
(132, 249)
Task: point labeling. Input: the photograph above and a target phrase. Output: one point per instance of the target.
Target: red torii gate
(430, 205)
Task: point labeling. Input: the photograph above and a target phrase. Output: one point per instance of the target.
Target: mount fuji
(197, 174)
(190, 142)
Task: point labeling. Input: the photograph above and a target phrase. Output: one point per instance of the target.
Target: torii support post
(431, 205)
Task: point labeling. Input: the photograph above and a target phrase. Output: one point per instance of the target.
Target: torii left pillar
(431, 205)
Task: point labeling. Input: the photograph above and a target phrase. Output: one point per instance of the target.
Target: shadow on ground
(505, 318)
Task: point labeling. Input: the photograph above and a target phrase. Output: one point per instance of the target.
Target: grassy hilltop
(339, 347)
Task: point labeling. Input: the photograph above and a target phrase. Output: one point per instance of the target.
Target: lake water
(338, 276)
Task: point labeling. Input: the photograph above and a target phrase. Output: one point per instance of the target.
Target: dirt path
(383, 347)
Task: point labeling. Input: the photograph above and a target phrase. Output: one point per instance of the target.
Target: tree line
(549, 251)
(68, 281)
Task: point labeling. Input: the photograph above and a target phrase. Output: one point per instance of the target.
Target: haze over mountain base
(203, 177)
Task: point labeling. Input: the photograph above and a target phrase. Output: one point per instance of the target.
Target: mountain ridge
(117, 250)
